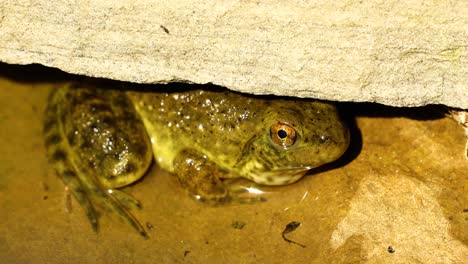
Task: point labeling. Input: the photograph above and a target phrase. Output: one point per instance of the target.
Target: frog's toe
(230, 196)
(247, 200)
(86, 204)
(119, 203)
(243, 196)
(128, 201)
(241, 193)
(114, 201)
(91, 214)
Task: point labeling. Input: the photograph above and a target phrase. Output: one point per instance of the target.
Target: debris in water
(149, 226)
(288, 229)
(238, 224)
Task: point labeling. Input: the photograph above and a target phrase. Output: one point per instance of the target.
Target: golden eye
(283, 135)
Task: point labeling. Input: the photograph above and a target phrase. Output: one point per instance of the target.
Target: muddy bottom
(400, 195)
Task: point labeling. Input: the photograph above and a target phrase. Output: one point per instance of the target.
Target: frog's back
(222, 124)
(216, 123)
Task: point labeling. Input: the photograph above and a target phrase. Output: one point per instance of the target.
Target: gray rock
(408, 53)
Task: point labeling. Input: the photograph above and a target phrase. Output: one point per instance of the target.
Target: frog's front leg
(202, 179)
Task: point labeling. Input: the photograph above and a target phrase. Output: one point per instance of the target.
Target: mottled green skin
(233, 131)
(102, 139)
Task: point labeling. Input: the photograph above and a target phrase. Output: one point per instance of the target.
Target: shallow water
(404, 187)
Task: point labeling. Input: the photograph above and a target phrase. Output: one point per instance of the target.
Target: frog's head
(292, 140)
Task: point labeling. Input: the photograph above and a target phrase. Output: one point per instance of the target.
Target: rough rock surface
(407, 53)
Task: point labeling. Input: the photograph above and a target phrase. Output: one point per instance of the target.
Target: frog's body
(101, 139)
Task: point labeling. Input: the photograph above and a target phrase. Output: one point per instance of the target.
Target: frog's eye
(283, 135)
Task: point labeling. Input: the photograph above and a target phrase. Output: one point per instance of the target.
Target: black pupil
(282, 134)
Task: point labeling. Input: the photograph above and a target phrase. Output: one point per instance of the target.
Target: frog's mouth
(279, 176)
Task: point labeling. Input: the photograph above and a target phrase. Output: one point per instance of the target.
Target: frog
(101, 139)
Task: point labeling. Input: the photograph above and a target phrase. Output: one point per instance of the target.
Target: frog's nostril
(324, 138)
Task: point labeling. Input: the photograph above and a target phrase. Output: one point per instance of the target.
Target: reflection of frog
(100, 139)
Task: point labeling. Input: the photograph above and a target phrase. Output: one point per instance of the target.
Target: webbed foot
(115, 201)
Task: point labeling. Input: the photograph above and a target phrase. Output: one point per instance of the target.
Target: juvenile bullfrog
(102, 139)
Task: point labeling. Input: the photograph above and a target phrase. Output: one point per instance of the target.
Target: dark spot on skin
(140, 149)
(52, 139)
(186, 252)
(83, 96)
(63, 117)
(69, 174)
(109, 120)
(122, 102)
(59, 155)
(71, 138)
(75, 85)
(85, 144)
(48, 124)
(130, 167)
(128, 117)
(80, 190)
(92, 163)
(100, 107)
(51, 107)
(390, 249)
